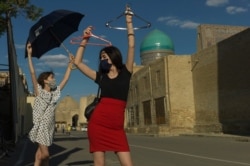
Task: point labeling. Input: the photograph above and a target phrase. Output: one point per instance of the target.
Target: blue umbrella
(51, 30)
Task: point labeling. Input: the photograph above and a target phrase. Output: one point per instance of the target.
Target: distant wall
(209, 34)
(161, 97)
(181, 97)
(221, 86)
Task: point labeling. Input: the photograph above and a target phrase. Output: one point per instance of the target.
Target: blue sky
(178, 19)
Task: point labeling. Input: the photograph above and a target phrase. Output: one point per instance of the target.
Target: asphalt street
(185, 150)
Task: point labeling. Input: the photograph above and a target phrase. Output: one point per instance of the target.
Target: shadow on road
(58, 156)
(24, 154)
(69, 139)
(80, 162)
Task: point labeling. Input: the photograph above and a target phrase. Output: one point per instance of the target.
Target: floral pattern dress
(44, 106)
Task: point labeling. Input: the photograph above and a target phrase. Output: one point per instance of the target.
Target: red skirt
(106, 127)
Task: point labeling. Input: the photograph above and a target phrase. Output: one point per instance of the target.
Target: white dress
(43, 128)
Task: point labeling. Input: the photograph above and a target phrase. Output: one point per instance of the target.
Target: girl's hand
(129, 15)
(87, 32)
(29, 49)
(71, 61)
(71, 58)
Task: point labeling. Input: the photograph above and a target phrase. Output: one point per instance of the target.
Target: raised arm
(31, 68)
(67, 73)
(79, 56)
(131, 41)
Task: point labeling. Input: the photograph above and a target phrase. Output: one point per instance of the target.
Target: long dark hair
(115, 56)
(44, 76)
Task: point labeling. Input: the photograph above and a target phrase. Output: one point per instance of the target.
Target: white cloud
(216, 3)
(19, 46)
(161, 19)
(54, 57)
(235, 10)
(189, 25)
(54, 61)
(39, 70)
(172, 21)
(85, 61)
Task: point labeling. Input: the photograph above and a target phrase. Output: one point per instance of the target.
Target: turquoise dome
(156, 40)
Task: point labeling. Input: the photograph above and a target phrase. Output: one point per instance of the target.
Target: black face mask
(105, 66)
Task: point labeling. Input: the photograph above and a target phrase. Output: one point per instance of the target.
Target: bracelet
(131, 34)
(129, 21)
(82, 46)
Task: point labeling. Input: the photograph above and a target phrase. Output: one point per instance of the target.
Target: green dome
(156, 40)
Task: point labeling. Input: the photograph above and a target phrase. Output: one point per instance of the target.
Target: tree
(14, 8)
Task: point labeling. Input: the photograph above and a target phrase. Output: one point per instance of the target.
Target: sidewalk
(65, 151)
(240, 138)
(15, 153)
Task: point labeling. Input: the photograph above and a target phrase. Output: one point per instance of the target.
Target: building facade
(204, 92)
(16, 122)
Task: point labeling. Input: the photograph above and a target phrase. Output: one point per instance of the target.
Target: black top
(116, 88)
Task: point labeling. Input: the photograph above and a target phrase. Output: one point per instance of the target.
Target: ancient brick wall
(221, 86)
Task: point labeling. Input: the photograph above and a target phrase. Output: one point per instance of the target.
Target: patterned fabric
(43, 128)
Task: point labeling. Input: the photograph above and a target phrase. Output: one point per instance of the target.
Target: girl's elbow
(76, 63)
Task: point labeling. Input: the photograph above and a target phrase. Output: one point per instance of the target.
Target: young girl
(47, 93)
(105, 127)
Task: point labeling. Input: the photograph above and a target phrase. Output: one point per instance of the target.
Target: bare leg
(99, 158)
(38, 161)
(125, 158)
(42, 156)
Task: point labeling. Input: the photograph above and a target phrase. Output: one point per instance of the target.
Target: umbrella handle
(72, 67)
(65, 48)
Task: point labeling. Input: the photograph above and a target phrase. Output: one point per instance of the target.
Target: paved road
(203, 150)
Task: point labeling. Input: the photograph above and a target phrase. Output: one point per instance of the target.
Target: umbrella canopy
(51, 30)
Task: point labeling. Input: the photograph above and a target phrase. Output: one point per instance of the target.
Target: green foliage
(15, 8)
